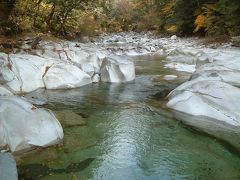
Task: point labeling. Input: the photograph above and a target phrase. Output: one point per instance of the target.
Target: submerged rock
(39, 170)
(69, 119)
(23, 126)
(8, 170)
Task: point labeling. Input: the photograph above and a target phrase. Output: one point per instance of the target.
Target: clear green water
(124, 131)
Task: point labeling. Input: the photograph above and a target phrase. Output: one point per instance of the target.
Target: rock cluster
(61, 65)
(51, 65)
(209, 101)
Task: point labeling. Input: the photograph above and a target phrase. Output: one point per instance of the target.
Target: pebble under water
(124, 131)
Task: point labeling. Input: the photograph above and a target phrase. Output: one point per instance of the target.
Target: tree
(6, 7)
(65, 12)
(230, 9)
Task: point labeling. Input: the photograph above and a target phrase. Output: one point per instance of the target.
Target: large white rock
(63, 64)
(211, 100)
(4, 91)
(91, 64)
(117, 69)
(187, 59)
(220, 72)
(28, 72)
(76, 57)
(32, 72)
(23, 126)
(6, 73)
(189, 68)
(63, 75)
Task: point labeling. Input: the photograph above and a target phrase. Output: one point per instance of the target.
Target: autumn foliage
(91, 17)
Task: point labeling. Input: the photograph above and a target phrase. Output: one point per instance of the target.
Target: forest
(91, 17)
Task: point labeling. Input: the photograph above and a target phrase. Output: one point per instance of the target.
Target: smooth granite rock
(23, 126)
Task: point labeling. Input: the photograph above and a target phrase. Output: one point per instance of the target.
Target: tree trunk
(50, 17)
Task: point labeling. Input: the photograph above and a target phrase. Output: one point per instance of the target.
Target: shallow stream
(124, 131)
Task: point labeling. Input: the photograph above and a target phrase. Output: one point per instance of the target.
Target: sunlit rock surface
(189, 55)
(5, 92)
(169, 77)
(187, 59)
(209, 101)
(213, 100)
(64, 76)
(23, 126)
(28, 71)
(116, 69)
(210, 106)
(59, 65)
(6, 73)
(218, 72)
(190, 68)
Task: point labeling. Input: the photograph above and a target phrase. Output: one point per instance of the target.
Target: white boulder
(91, 64)
(28, 71)
(188, 56)
(4, 91)
(96, 78)
(63, 75)
(219, 72)
(60, 65)
(188, 59)
(173, 37)
(117, 69)
(6, 73)
(23, 126)
(211, 100)
(189, 68)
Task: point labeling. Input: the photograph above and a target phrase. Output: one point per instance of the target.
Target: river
(124, 131)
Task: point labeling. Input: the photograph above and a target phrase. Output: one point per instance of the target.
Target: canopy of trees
(73, 17)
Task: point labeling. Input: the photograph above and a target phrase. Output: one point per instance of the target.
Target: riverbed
(125, 131)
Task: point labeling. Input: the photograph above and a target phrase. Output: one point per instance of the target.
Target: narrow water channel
(124, 131)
